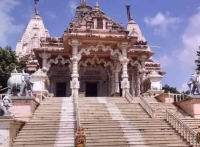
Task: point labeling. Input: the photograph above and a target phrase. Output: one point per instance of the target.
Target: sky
(172, 25)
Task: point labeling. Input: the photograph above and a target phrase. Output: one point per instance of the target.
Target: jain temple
(95, 85)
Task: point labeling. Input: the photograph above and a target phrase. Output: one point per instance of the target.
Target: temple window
(89, 25)
(115, 27)
(99, 23)
(109, 26)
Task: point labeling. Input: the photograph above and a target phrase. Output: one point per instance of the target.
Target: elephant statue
(194, 84)
(22, 82)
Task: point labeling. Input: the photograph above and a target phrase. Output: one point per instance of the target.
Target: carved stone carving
(136, 63)
(85, 14)
(95, 60)
(96, 48)
(61, 60)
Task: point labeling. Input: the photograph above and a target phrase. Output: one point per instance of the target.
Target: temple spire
(36, 11)
(97, 6)
(129, 13)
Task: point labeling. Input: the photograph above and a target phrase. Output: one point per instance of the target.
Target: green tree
(8, 62)
(167, 89)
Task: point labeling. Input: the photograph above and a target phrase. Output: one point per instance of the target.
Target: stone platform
(23, 107)
(191, 106)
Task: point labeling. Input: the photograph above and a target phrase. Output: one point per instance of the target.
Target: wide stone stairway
(52, 125)
(161, 109)
(112, 122)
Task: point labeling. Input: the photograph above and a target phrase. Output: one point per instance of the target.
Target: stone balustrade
(171, 97)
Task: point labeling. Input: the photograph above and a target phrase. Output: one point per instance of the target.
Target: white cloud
(162, 23)
(191, 42)
(50, 15)
(7, 25)
(183, 88)
(72, 4)
(164, 60)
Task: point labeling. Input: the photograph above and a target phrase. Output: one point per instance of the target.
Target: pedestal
(9, 129)
(154, 93)
(191, 106)
(23, 108)
(165, 98)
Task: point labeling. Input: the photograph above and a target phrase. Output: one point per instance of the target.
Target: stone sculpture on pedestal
(194, 85)
(4, 105)
(20, 81)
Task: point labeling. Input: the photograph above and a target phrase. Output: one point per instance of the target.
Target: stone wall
(9, 129)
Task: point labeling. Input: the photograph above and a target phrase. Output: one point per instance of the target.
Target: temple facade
(95, 56)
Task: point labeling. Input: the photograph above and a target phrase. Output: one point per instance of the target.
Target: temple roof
(32, 34)
(87, 17)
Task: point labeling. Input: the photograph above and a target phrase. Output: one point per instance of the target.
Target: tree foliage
(8, 62)
(167, 89)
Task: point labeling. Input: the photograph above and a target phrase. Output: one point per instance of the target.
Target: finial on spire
(83, 2)
(36, 11)
(129, 13)
(97, 6)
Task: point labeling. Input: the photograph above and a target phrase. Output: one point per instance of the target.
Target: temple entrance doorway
(61, 89)
(91, 89)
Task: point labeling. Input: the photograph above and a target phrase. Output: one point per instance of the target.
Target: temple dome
(134, 31)
(35, 28)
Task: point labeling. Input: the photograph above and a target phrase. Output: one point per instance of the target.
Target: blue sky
(173, 25)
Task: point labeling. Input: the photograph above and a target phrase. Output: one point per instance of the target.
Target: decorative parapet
(99, 36)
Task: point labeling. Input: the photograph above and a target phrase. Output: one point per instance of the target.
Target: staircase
(113, 122)
(161, 109)
(52, 125)
(193, 123)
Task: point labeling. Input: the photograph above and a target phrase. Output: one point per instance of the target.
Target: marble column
(117, 82)
(74, 84)
(133, 84)
(44, 57)
(125, 85)
(138, 84)
(112, 80)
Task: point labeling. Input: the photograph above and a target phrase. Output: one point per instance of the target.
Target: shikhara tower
(95, 56)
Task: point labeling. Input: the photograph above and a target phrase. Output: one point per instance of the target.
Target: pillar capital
(124, 60)
(45, 55)
(74, 42)
(123, 45)
(75, 58)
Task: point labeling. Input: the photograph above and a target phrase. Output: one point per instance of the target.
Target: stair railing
(77, 112)
(182, 128)
(128, 96)
(150, 110)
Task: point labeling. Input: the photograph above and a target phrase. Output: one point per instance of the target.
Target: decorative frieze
(99, 46)
(60, 60)
(95, 60)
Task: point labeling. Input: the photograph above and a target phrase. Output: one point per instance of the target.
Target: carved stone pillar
(112, 84)
(142, 58)
(74, 84)
(44, 57)
(138, 84)
(125, 85)
(117, 82)
(117, 69)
